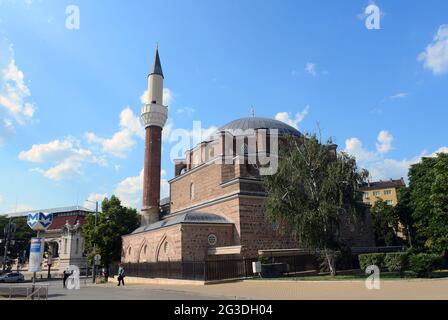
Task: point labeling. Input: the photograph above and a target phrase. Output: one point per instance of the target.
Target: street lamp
(94, 244)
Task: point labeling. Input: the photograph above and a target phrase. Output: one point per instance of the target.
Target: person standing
(65, 276)
(121, 275)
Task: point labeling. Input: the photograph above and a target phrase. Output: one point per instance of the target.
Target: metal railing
(211, 270)
(41, 291)
(27, 293)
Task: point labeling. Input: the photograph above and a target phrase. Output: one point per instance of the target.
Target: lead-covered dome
(261, 123)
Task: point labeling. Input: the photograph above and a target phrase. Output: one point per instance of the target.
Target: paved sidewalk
(428, 289)
(436, 289)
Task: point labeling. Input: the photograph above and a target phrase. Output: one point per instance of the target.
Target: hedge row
(422, 264)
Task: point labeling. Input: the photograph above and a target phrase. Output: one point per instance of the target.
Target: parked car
(12, 277)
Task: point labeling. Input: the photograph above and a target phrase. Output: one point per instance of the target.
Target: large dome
(260, 123)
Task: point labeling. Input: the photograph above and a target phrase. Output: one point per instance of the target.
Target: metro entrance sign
(38, 222)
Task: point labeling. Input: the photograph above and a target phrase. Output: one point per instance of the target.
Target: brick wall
(195, 240)
(257, 232)
(156, 250)
(206, 181)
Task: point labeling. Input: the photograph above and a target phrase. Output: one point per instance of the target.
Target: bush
(424, 263)
(369, 259)
(396, 261)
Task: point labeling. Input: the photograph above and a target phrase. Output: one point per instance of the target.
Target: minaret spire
(154, 115)
(156, 66)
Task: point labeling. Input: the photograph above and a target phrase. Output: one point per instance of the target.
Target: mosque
(216, 204)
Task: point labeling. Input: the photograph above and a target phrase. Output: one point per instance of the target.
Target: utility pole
(94, 244)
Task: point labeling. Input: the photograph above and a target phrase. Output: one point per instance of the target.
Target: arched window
(144, 249)
(65, 245)
(77, 246)
(192, 191)
(165, 247)
(129, 252)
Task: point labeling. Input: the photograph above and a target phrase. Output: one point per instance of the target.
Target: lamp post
(49, 263)
(94, 244)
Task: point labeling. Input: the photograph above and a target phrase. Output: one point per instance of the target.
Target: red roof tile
(59, 222)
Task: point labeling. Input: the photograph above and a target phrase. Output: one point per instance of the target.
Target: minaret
(154, 115)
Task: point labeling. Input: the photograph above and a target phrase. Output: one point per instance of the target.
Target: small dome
(261, 123)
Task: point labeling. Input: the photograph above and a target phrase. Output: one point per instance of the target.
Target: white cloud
(50, 151)
(67, 168)
(122, 141)
(311, 68)
(130, 190)
(94, 197)
(184, 139)
(435, 56)
(15, 107)
(293, 122)
(384, 144)
(440, 150)
(14, 93)
(168, 97)
(399, 95)
(354, 147)
(167, 130)
(390, 168)
(65, 156)
(380, 167)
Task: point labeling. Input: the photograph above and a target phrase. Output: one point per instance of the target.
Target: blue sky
(70, 99)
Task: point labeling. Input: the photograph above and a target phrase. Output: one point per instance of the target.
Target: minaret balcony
(154, 115)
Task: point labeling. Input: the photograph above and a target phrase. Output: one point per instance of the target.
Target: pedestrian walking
(121, 275)
(65, 276)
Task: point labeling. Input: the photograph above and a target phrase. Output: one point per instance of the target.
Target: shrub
(396, 261)
(369, 259)
(423, 263)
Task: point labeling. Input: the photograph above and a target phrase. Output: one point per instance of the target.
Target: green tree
(438, 222)
(404, 213)
(21, 236)
(421, 177)
(385, 221)
(429, 203)
(112, 223)
(313, 191)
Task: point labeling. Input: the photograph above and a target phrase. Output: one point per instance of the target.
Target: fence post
(245, 267)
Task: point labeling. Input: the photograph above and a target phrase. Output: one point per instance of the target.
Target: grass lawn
(360, 276)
